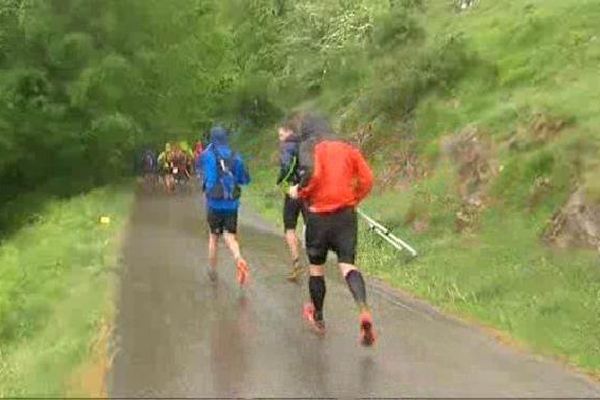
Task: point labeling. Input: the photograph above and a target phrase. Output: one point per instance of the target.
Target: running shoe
(367, 332)
(315, 321)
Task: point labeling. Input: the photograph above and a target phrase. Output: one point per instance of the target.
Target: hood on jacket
(315, 127)
(218, 136)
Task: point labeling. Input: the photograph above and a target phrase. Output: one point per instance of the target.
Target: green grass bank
(56, 296)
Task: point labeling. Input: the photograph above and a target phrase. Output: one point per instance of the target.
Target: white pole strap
(386, 234)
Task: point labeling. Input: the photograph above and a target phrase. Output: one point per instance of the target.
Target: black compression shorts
(336, 231)
(222, 222)
(292, 208)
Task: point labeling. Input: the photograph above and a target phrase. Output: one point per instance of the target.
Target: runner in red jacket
(334, 178)
(341, 177)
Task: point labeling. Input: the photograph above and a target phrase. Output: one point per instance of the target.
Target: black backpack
(227, 187)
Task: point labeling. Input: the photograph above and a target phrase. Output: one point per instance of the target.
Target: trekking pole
(386, 234)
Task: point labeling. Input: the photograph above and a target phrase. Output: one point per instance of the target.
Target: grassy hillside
(56, 297)
(475, 170)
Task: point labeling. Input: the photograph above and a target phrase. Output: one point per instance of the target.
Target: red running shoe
(367, 332)
(308, 313)
(243, 273)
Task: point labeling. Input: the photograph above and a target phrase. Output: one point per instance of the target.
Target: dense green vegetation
(84, 83)
(56, 292)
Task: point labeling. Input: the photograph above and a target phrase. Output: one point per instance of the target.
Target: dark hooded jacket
(288, 160)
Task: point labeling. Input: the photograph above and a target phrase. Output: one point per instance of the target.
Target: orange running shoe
(309, 314)
(367, 332)
(243, 272)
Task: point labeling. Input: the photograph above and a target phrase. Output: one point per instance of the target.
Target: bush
(411, 74)
(397, 28)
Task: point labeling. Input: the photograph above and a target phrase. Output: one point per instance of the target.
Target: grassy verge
(542, 54)
(56, 296)
(502, 277)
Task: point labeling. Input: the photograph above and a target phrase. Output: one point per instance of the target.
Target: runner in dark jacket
(289, 143)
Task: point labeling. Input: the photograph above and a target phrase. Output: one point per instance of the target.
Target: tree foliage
(84, 83)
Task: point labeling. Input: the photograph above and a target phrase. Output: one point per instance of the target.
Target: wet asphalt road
(179, 335)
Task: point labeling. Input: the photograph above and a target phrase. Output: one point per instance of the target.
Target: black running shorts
(222, 222)
(336, 231)
(292, 208)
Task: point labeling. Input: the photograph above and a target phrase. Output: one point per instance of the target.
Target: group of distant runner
(174, 165)
(322, 178)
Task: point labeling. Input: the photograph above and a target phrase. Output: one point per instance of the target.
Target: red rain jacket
(341, 177)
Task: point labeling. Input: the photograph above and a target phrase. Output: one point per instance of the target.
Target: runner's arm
(210, 172)
(286, 158)
(364, 175)
(282, 173)
(314, 181)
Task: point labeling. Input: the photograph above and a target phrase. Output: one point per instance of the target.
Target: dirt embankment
(476, 159)
(472, 152)
(577, 224)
